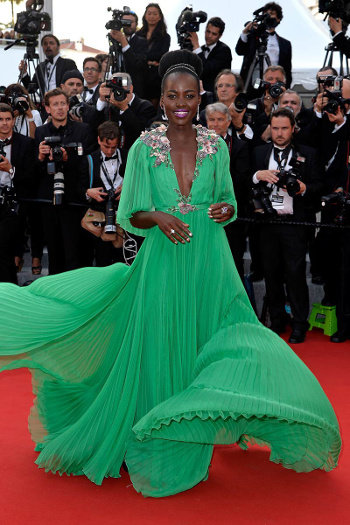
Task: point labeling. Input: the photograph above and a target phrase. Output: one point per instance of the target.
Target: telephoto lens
(111, 226)
(58, 189)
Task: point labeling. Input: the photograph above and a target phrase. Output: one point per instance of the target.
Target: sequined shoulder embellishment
(159, 143)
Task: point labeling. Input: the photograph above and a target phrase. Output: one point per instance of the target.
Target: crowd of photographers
(65, 136)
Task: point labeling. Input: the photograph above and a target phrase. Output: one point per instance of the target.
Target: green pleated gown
(156, 363)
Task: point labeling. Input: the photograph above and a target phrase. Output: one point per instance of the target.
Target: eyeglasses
(93, 69)
(225, 85)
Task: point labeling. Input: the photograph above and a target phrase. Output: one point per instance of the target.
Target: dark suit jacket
(136, 62)
(62, 65)
(312, 175)
(74, 132)
(240, 173)
(218, 59)
(248, 50)
(134, 120)
(23, 160)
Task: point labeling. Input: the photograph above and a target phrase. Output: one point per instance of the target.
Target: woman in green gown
(155, 363)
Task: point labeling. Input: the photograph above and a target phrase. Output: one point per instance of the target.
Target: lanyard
(105, 171)
(48, 78)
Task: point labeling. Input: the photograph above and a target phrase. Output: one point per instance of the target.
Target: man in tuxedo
(62, 222)
(284, 246)
(134, 50)
(133, 114)
(16, 173)
(279, 50)
(108, 166)
(48, 75)
(91, 72)
(72, 83)
(219, 119)
(215, 55)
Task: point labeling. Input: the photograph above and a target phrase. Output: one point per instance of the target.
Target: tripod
(260, 57)
(115, 62)
(343, 59)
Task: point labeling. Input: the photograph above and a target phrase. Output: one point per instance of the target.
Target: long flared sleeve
(223, 191)
(137, 192)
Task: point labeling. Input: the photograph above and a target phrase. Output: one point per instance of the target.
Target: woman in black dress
(158, 40)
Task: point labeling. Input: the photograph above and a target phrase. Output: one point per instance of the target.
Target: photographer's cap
(73, 73)
(126, 79)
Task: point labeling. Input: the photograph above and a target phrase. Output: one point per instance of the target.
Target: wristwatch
(11, 172)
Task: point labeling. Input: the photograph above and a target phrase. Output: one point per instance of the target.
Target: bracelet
(241, 128)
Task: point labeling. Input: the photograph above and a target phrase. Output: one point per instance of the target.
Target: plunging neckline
(195, 171)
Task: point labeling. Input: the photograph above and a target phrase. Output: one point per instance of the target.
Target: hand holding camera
(98, 194)
(46, 150)
(5, 164)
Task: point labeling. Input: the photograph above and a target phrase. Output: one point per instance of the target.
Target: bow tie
(50, 59)
(272, 33)
(6, 142)
(111, 158)
(88, 90)
(285, 152)
(206, 48)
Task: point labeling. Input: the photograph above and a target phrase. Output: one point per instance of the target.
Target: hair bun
(180, 58)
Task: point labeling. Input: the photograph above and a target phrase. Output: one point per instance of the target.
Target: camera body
(76, 106)
(264, 21)
(119, 86)
(32, 21)
(341, 200)
(55, 142)
(334, 96)
(188, 22)
(275, 90)
(240, 103)
(289, 178)
(17, 100)
(8, 199)
(117, 23)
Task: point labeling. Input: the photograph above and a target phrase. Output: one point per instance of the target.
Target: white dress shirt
(50, 78)
(112, 167)
(5, 177)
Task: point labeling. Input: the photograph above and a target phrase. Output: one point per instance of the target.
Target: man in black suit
(134, 50)
(133, 114)
(62, 222)
(48, 75)
(108, 166)
(278, 49)
(215, 55)
(284, 247)
(16, 173)
(218, 118)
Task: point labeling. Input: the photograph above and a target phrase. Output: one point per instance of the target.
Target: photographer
(293, 198)
(16, 179)
(338, 28)
(218, 118)
(274, 84)
(278, 49)
(27, 117)
(108, 166)
(134, 49)
(48, 75)
(61, 222)
(123, 106)
(215, 55)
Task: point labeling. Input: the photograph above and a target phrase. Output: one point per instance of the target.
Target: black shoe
(278, 328)
(339, 337)
(297, 336)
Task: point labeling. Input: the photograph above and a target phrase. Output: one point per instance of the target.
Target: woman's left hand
(221, 212)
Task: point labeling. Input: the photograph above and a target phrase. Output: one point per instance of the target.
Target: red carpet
(243, 486)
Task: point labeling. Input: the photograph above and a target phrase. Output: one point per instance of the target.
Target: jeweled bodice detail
(207, 145)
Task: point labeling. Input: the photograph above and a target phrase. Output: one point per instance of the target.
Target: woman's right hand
(97, 194)
(175, 229)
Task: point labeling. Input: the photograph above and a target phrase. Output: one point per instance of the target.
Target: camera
(55, 142)
(17, 100)
(240, 103)
(275, 90)
(335, 9)
(33, 21)
(334, 96)
(119, 86)
(188, 22)
(289, 178)
(117, 23)
(261, 200)
(264, 21)
(341, 200)
(76, 106)
(110, 213)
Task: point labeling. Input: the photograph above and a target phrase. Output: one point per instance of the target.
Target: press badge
(277, 201)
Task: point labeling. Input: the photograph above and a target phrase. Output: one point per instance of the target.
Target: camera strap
(49, 73)
(91, 169)
(105, 171)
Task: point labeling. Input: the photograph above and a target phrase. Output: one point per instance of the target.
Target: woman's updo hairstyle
(180, 61)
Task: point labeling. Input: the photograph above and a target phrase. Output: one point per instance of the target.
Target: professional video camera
(340, 199)
(119, 86)
(56, 145)
(275, 90)
(289, 178)
(264, 21)
(117, 23)
(188, 22)
(33, 21)
(76, 106)
(335, 9)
